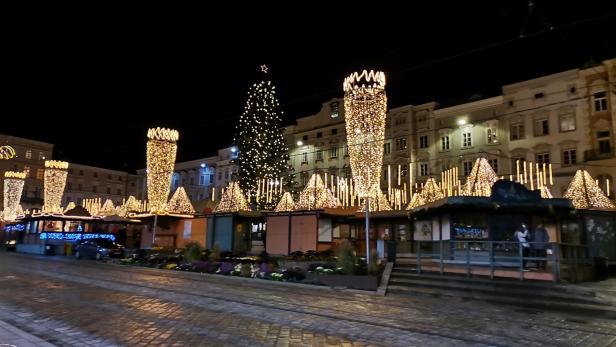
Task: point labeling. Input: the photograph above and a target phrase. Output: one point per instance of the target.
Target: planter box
(348, 281)
(304, 265)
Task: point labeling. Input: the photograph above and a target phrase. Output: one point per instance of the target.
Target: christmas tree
(180, 203)
(286, 203)
(232, 200)
(431, 192)
(262, 152)
(481, 179)
(315, 196)
(584, 192)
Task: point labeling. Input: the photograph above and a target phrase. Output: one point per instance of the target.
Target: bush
(192, 251)
(294, 274)
(214, 253)
(347, 259)
(226, 268)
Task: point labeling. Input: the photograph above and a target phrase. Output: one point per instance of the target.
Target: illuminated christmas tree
(315, 196)
(481, 179)
(378, 202)
(180, 203)
(431, 192)
(232, 199)
(584, 192)
(262, 152)
(286, 203)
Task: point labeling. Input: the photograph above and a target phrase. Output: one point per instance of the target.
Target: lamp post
(365, 105)
(161, 151)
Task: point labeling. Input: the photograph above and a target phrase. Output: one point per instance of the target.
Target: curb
(11, 336)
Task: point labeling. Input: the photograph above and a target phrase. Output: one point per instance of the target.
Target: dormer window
(334, 109)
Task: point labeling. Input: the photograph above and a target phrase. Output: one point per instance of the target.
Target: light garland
(71, 205)
(232, 200)
(481, 179)
(161, 152)
(545, 193)
(378, 202)
(92, 206)
(286, 203)
(180, 203)
(55, 181)
(365, 104)
(315, 196)
(584, 192)
(431, 192)
(7, 152)
(108, 209)
(132, 205)
(13, 188)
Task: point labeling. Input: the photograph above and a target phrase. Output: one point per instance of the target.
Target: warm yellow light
(180, 203)
(300, 143)
(365, 104)
(161, 152)
(286, 203)
(378, 202)
(429, 193)
(107, 209)
(481, 179)
(461, 121)
(584, 192)
(315, 196)
(13, 188)
(55, 181)
(7, 152)
(232, 199)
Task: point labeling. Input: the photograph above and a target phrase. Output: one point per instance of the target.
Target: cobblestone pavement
(84, 303)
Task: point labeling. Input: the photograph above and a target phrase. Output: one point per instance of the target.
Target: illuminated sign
(16, 227)
(470, 232)
(74, 236)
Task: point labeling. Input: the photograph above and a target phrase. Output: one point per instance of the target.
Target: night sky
(92, 78)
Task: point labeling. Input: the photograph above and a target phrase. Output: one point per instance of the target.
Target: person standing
(541, 245)
(522, 236)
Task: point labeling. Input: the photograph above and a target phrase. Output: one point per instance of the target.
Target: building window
(569, 157)
(423, 169)
(95, 174)
(386, 148)
(79, 187)
(80, 172)
(516, 131)
(305, 157)
(220, 175)
(403, 170)
(423, 141)
(542, 127)
(334, 131)
(120, 178)
(119, 191)
(27, 170)
(494, 164)
(70, 171)
(445, 143)
(543, 158)
(539, 95)
(41, 156)
(333, 152)
(212, 178)
(467, 167)
(604, 142)
(401, 143)
(467, 139)
(600, 101)
(201, 180)
(28, 154)
(304, 179)
(108, 177)
(319, 154)
(567, 122)
(69, 185)
(108, 190)
(492, 135)
(192, 181)
(94, 189)
(319, 134)
(334, 109)
(305, 137)
(422, 117)
(176, 182)
(40, 174)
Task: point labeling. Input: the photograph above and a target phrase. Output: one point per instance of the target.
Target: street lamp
(365, 104)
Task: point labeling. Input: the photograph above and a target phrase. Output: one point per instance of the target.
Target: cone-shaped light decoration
(180, 203)
(232, 200)
(132, 204)
(545, 193)
(365, 106)
(584, 192)
(13, 188)
(315, 196)
(481, 179)
(161, 151)
(108, 209)
(378, 202)
(430, 193)
(286, 203)
(55, 181)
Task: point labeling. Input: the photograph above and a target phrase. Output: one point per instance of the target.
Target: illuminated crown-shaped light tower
(13, 187)
(365, 106)
(55, 181)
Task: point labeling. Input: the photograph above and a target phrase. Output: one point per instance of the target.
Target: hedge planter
(348, 281)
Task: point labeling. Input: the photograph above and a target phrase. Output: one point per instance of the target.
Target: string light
(584, 192)
(7, 152)
(180, 203)
(365, 104)
(13, 188)
(545, 193)
(161, 152)
(378, 202)
(55, 181)
(232, 200)
(481, 179)
(315, 196)
(107, 209)
(429, 193)
(286, 203)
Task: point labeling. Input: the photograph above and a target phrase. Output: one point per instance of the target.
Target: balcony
(597, 154)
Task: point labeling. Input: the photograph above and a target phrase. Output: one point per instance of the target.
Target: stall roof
(487, 204)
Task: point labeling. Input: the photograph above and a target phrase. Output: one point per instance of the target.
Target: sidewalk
(605, 289)
(11, 336)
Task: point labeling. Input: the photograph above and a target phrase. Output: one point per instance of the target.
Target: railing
(549, 260)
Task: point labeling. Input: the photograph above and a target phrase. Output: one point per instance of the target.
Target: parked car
(98, 249)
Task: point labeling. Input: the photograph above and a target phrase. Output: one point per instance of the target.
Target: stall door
(404, 238)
